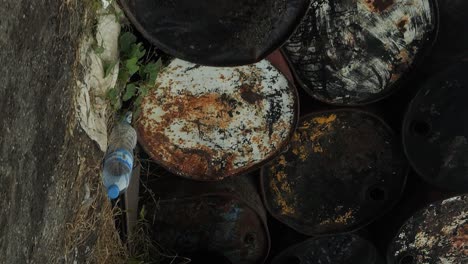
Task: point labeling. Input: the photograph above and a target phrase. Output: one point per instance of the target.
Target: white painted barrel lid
(208, 123)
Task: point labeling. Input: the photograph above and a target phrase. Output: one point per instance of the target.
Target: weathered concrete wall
(44, 157)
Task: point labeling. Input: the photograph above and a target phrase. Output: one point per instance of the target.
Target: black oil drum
(343, 169)
(224, 218)
(216, 32)
(338, 249)
(353, 52)
(452, 40)
(436, 234)
(435, 130)
(209, 123)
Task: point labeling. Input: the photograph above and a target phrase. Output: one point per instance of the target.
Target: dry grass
(143, 249)
(92, 235)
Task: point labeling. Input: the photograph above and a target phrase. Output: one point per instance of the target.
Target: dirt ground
(52, 208)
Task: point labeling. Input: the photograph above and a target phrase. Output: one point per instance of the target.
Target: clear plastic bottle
(118, 162)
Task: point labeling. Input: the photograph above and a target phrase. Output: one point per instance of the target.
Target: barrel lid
(342, 169)
(216, 32)
(435, 130)
(436, 234)
(209, 123)
(355, 52)
(338, 249)
(226, 217)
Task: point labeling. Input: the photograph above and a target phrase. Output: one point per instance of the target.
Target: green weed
(137, 74)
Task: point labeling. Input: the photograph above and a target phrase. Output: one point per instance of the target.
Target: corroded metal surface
(341, 249)
(225, 217)
(436, 234)
(343, 169)
(216, 32)
(209, 123)
(279, 61)
(354, 51)
(435, 131)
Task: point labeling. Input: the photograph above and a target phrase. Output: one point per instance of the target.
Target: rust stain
(282, 161)
(302, 148)
(318, 149)
(325, 120)
(403, 23)
(460, 241)
(379, 6)
(395, 76)
(281, 187)
(199, 125)
(344, 219)
(249, 95)
(285, 206)
(321, 126)
(404, 57)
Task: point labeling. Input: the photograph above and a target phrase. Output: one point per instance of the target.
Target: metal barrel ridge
(435, 129)
(216, 32)
(338, 249)
(343, 169)
(225, 217)
(209, 123)
(354, 52)
(436, 234)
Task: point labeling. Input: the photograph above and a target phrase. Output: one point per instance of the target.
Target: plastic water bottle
(118, 162)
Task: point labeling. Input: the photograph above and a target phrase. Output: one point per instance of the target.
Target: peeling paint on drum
(208, 123)
(436, 234)
(353, 51)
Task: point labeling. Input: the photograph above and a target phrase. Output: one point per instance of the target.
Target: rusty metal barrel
(226, 218)
(338, 249)
(436, 234)
(352, 52)
(216, 32)
(343, 168)
(435, 130)
(209, 123)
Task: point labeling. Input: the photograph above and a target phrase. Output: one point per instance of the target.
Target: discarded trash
(118, 162)
(435, 131)
(338, 249)
(436, 234)
(343, 169)
(210, 123)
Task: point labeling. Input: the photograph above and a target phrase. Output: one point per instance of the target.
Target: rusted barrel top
(435, 131)
(338, 249)
(436, 234)
(216, 32)
(225, 217)
(343, 169)
(209, 123)
(351, 52)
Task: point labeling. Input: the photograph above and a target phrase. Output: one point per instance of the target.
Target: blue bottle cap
(113, 191)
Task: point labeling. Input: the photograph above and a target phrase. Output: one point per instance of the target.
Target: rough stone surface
(43, 154)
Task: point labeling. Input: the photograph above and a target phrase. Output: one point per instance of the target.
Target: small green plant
(137, 74)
